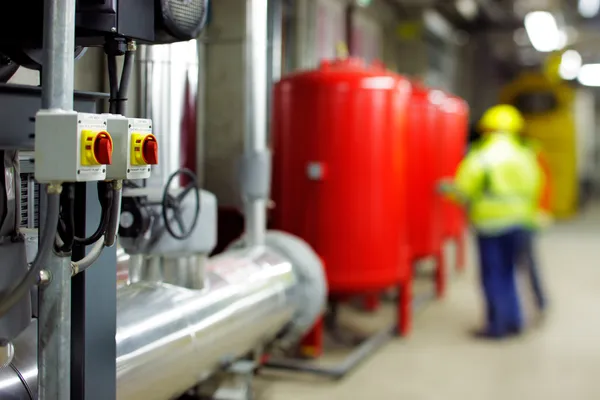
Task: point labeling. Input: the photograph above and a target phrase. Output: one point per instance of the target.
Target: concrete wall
(476, 75)
(330, 28)
(224, 106)
(318, 27)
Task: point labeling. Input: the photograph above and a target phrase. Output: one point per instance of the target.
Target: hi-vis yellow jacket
(500, 183)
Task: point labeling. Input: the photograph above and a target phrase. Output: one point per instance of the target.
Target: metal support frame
(93, 374)
(355, 358)
(54, 309)
(233, 383)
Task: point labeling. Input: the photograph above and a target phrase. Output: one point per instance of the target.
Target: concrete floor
(558, 359)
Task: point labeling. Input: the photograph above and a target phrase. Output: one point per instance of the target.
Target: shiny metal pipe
(18, 381)
(184, 271)
(164, 71)
(59, 58)
(169, 338)
(256, 75)
(123, 267)
(176, 337)
(187, 272)
(54, 313)
(54, 332)
(255, 135)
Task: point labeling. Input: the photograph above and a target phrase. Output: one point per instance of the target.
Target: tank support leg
(460, 252)
(405, 307)
(367, 348)
(312, 343)
(371, 302)
(440, 274)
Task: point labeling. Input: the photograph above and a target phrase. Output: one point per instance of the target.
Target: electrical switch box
(71, 146)
(136, 148)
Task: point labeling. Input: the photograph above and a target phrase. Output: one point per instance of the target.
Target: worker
(539, 219)
(498, 183)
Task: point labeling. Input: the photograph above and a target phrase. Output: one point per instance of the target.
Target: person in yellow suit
(498, 182)
(540, 219)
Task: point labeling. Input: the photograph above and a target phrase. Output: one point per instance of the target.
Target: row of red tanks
(358, 152)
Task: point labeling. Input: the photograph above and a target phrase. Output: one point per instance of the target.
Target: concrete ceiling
(502, 21)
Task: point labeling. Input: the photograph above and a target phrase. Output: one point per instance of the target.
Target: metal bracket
(234, 383)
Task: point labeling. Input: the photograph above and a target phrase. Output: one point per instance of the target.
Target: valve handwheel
(174, 203)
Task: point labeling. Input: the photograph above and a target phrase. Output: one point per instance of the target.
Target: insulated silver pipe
(175, 337)
(164, 71)
(255, 134)
(256, 75)
(54, 332)
(169, 338)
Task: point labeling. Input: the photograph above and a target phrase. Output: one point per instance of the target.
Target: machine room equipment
(183, 321)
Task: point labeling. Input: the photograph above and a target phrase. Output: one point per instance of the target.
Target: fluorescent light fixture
(589, 75)
(467, 8)
(563, 39)
(589, 8)
(570, 65)
(543, 31)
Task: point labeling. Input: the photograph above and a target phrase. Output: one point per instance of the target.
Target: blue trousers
(528, 260)
(498, 257)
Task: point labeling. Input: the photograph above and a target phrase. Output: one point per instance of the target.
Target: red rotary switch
(103, 149)
(150, 150)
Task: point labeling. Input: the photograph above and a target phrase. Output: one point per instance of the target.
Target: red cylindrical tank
(455, 127)
(339, 166)
(423, 172)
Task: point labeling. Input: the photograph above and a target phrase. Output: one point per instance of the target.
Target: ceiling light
(589, 75)
(543, 31)
(467, 8)
(570, 65)
(589, 8)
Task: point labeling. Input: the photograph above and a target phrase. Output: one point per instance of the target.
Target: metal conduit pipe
(169, 338)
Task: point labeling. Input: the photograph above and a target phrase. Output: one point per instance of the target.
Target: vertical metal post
(255, 135)
(59, 49)
(54, 325)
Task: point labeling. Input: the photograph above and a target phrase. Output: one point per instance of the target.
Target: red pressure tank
(339, 168)
(455, 130)
(423, 171)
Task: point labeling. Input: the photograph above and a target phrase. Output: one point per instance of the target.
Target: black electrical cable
(112, 227)
(12, 296)
(105, 196)
(113, 81)
(125, 79)
(66, 226)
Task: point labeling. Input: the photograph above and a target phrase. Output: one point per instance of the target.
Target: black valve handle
(173, 203)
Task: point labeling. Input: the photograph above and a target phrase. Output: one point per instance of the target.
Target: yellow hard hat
(503, 118)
